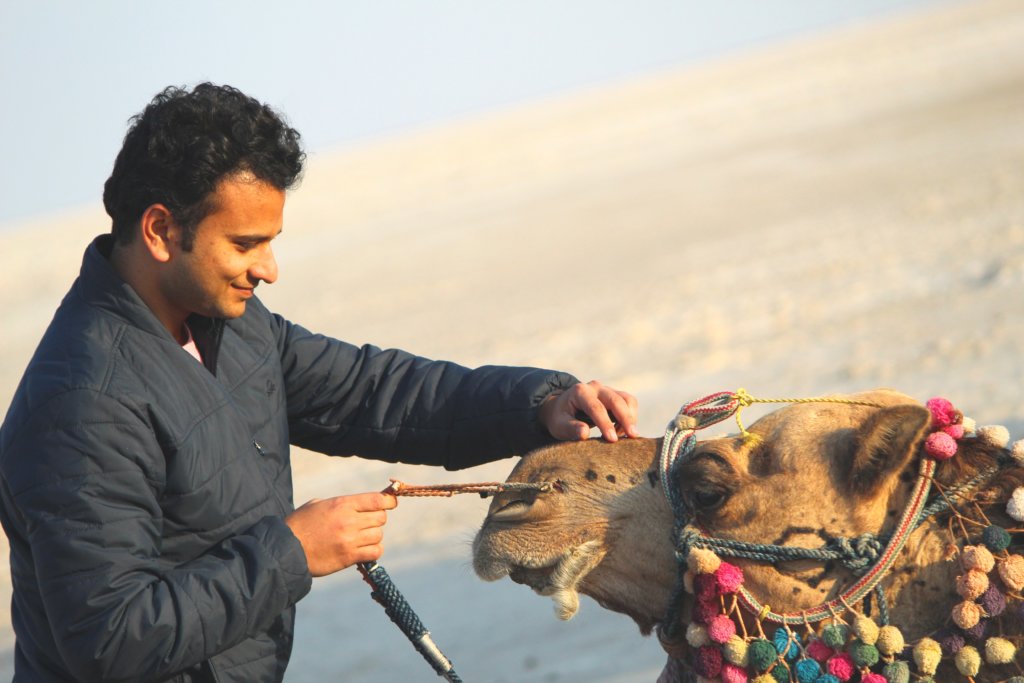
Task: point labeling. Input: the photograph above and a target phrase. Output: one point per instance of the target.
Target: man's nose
(265, 267)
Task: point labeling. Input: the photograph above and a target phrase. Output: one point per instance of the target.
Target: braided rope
(487, 488)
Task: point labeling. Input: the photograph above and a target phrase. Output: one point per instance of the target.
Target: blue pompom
(784, 645)
(807, 671)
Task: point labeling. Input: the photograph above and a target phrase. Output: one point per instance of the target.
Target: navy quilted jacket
(143, 494)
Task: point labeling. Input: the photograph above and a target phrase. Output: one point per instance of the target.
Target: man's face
(231, 252)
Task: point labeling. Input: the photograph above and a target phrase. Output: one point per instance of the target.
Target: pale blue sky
(73, 72)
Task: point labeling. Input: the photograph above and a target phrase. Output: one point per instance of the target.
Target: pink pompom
(705, 586)
(729, 578)
(819, 651)
(873, 678)
(731, 673)
(721, 629)
(940, 445)
(943, 412)
(841, 666)
(704, 611)
(955, 431)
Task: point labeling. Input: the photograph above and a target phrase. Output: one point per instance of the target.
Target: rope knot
(859, 553)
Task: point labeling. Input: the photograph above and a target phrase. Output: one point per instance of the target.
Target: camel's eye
(512, 510)
(708, 499)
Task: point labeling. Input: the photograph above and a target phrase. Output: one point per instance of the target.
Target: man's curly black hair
(184, 143)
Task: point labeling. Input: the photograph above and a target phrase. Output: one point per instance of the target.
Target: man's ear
(885, 445)
(158, 231)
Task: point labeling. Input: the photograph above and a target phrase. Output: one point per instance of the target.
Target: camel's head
(813, 472)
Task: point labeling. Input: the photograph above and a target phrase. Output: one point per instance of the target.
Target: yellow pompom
(1011, 571)
(703, 561)
(764, 678)
(688, 582)
(999, 651)
(977, 557)
(971, 585)
(865, 629)
(969, 425)
(966, 614)
(890, 640)
(927, 655)
(735, 651)
(997, 435)
(968, 661)
(697, 635)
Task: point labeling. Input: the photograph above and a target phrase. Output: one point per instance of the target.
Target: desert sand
(835, 213)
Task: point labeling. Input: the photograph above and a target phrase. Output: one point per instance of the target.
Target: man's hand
(339, 532)
(612, 412)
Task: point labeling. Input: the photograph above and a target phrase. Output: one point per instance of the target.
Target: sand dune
(833, 214)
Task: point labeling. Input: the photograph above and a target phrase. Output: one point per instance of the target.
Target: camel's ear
(885, 444)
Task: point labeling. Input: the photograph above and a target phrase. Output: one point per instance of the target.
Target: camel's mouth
(556, 577)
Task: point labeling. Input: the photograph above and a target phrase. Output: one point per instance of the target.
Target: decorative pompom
(781, 674)
(705, 587)
(940, 445)
(819, 651)
(785, 644)
(761, 654)
(736, 651)
(890, 640)
(896, 672)
(1015, 506)
(993, 601)
(835, 635)
(996, 538)
(688, 581)
(697, 635)
(863, 654)
(927, 655)
(968, 661)
(866, 629)
(729, 578)
(708, 661)
(969, 425)
(966, 614)
(1015, 679)
(999, 651)
(840, 666)
(943, 412)
(721, 629)
(873, 678)
(1011, 571)
(705, 610)
(827, 678)
(997, 435)
(977, 557)
(764, 678)
(972, 584)
(733, 674)
(978, 631)
(702, 561)
(1017, 451)
(807, 671)
(952, 643)
(955, 431)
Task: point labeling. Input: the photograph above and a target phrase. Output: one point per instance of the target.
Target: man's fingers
(371, 502)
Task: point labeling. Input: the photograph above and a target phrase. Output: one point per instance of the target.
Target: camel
(801, 476)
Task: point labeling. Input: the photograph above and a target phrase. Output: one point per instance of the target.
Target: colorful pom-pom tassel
(731, 673)
(955, 431)
(968, 661)
(702, 561)
(872, 678)
(705, 587)
(1017, 451)
(818, 650)
(841, 666)
(1011, 571)
(927, 655)
(896, 672)
(827, 678)
(697, 635)
(997, 435)
(785, 644)
(705, 610)
(999, 651)
(993, 601)
(729, 578)
(737, 651)
(835, 635)
(1015, 506)
(721, 629)
(865, 629)
(807, 671)
(972, 584)
(940, 446)
(708, 661)
(863, 654)
(952, 643)
(969, 425)
(943, 412)
(780, 673)
(761, 654)
(966, 614)
(890, 640)
(977, 557)
(996, 538)
(764, 678)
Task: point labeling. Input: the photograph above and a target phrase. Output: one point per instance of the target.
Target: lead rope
(387, 595)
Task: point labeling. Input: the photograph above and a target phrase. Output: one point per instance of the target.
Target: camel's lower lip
(537, 578)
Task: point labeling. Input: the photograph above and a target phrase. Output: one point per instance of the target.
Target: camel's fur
(816, 471)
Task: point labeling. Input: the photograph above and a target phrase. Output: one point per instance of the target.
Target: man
(145, 483)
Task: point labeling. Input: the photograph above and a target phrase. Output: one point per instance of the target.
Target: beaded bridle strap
(680, 441)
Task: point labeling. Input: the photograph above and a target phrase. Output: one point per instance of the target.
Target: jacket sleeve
(394, 406)
(82, 481)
